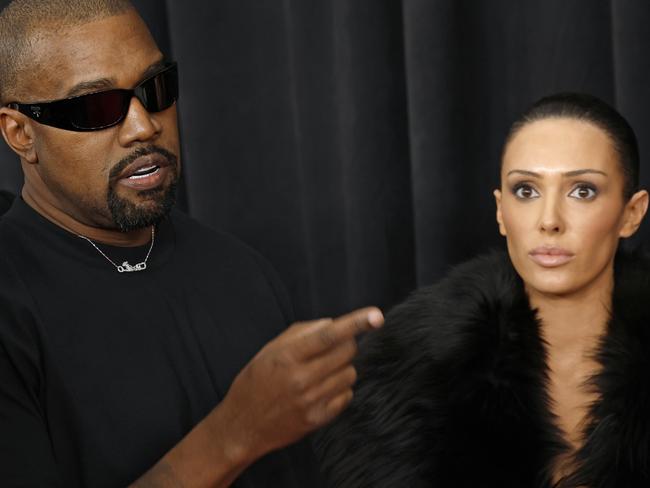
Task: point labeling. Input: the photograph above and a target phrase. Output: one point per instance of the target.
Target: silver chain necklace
(126, 267)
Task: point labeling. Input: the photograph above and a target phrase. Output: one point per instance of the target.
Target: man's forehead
(115, 51)
(94, 84)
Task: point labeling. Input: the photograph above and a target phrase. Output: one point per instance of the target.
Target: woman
(525, 369)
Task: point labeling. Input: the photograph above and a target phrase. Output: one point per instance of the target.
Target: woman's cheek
(517, 223)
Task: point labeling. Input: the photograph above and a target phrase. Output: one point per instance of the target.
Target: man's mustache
(139, 152)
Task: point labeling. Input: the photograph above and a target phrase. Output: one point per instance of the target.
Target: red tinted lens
(159, 92)
(99, 110)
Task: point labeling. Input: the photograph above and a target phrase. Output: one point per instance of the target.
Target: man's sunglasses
(100, 110)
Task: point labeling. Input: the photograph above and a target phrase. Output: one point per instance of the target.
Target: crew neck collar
(25, 218)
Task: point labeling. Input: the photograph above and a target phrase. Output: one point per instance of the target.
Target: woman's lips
(550, 257)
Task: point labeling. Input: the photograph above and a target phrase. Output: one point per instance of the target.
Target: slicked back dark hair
(22, 18)
(587, 108)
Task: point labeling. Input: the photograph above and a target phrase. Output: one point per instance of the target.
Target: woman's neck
(576, 321)
(572, 326)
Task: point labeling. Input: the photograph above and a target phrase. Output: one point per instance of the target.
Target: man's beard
(128, 215)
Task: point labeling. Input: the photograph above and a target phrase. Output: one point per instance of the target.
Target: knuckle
(344, 400)
(295, 326)
(349, 396)
(352, 375)
(326, 337)
(280, 360)
(336, 406)
(313, 417)
(290, 333)
(309, 398)
(353, 348)
(298, 382)
(265, 351)
(359, 326)
(359, 322)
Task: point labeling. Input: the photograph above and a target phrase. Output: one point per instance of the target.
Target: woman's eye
(525, 192)
(583, 192)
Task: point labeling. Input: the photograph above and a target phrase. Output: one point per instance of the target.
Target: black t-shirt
(102, 373)
(5, 201)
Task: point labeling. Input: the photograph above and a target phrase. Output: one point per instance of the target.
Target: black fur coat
(451, 391)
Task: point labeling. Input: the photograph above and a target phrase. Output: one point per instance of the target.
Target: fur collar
(452, 391)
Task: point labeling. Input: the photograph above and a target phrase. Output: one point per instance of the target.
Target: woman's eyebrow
(524, 172)
(579, 172)
(568, 174)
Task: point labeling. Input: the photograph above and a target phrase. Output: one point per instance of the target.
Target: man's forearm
(295, 384)
(209, 456)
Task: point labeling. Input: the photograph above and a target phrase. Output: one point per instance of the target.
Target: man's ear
(18, 131)
(635, 210)
(497, 198)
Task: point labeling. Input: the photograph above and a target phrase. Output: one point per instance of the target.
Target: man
(126, 335)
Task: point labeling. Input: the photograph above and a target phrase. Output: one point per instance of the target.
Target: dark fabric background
(355, 143)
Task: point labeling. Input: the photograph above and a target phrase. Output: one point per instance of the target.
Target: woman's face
(561, 205)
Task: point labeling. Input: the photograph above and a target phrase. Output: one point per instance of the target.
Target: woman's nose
(551, 217)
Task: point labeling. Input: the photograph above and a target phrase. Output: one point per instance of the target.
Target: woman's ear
(18, 131)
(635, 210)
(497, 198)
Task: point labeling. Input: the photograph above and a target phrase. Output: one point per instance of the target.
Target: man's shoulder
(191, 232)
(226, 254)
(226, 263)
(11, 236)
(6, 199)
(197, 239)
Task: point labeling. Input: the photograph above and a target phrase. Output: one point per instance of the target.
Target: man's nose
(139, 125)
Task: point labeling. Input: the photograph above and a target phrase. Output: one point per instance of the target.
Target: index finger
(327, 334)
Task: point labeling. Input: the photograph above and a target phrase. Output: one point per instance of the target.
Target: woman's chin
(554, 283)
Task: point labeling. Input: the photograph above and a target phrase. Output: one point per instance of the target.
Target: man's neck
(110, 236)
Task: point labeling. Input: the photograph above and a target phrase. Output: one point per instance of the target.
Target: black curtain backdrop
(356, 143)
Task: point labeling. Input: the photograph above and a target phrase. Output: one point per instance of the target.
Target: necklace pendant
(127, 268)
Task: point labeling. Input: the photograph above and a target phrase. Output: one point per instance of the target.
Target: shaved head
(22, 22)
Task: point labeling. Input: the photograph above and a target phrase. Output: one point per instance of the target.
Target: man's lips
(144, 163)
(550, 256)
(145, 173)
